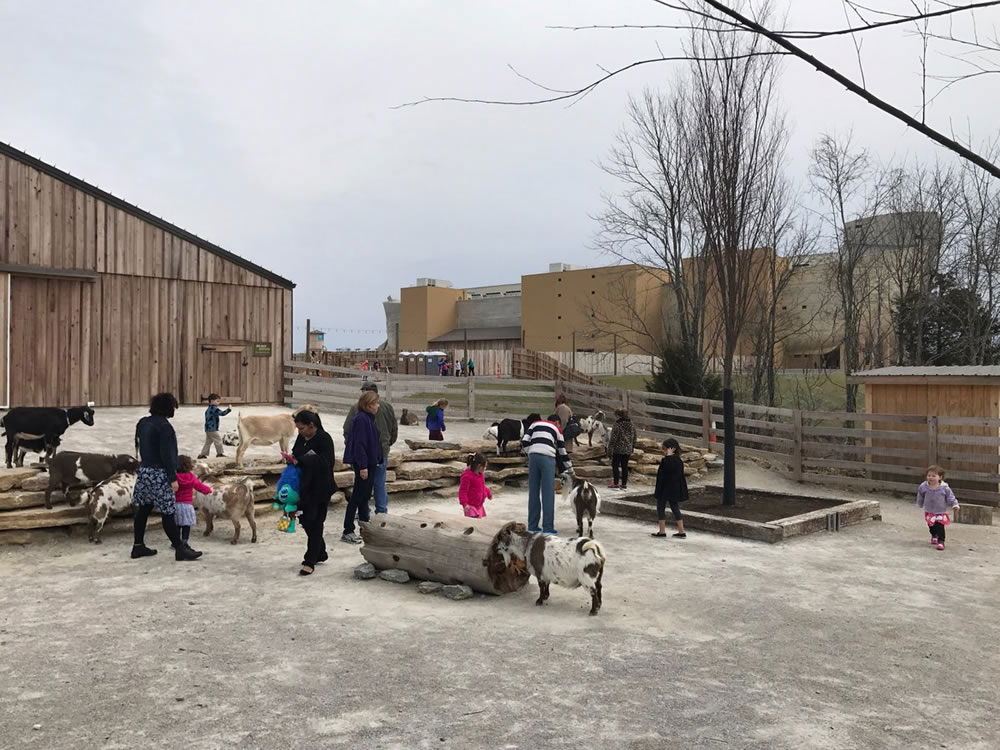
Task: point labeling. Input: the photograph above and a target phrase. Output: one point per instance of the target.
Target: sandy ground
(863, 639)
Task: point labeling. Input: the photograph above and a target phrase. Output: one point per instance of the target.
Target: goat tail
(594, 546)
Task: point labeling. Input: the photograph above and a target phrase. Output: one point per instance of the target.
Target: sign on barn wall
(262, 349)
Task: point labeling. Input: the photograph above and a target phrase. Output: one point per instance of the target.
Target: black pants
(170, 527)
(661, 509)
(361, 495)
(937, 531)
(619, 469)
(312, 524)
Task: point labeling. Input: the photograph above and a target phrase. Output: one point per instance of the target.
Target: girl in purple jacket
(936, 498)
(363, 452)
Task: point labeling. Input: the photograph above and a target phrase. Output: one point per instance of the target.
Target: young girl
(935, 497)
(671, 487)
(435, 420)
(472, 491)
(187, 483)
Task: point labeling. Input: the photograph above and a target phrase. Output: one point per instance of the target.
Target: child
(472, 491)
(936, 497)
(212, 434)
(621, 445)
(435, 420)
(671, 487)
(187, 483)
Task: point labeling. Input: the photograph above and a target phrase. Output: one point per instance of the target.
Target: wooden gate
(222, 368)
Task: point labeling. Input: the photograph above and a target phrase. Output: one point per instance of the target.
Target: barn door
(222, 369)
(4, 339)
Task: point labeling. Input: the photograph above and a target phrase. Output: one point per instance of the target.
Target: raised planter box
(762, 516)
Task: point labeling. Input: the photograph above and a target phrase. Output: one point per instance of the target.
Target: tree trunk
(443, 547)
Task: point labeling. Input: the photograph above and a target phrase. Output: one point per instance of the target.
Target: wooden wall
(137, 328)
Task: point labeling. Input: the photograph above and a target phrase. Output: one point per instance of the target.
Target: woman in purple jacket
(363, 452)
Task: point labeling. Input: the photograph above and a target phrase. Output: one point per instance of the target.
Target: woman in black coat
(671, 488)
(313, 454)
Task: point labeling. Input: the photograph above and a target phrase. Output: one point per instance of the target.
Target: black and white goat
(506, 431)
(44, 445)
(593, 426)
(44, 421)
(585, 499)
(566, 562)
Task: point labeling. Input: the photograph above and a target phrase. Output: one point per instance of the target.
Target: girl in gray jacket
(936, 498)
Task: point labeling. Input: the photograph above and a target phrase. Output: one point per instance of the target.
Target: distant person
(212, 434)
(156, 479)
(458, 369)
(435, 419)
(388, 433)
(936, 498)
(472, 489)
(671, 488)
(621, 446)
(363, 451)
(546, 456)
(471, 366)
(563, 411)
(313, 453)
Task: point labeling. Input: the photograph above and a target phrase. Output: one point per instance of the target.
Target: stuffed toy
(286, 498)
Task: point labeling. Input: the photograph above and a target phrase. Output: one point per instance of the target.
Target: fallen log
(443, 547)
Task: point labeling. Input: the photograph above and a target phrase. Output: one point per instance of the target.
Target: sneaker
(203, 455)
(939, 546)
(351, 539)
(536, 530)
(623, 488)
(553, 532)
(142, 551)
(612, 486)
(934, 541)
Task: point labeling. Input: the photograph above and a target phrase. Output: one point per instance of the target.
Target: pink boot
(940, 546)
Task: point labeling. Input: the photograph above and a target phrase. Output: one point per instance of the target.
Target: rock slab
(395, 576)
(365, 571)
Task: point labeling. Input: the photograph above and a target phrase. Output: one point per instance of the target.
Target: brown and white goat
(233, 501)
(585, 499)
(108, 497)
(567, 562)
(267, 430)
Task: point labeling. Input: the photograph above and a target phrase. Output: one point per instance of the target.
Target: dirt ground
(867, 638)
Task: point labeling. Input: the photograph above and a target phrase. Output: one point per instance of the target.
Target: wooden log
(981, 515)
(447, 548)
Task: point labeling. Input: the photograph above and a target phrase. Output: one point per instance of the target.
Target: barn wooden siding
(138, 325)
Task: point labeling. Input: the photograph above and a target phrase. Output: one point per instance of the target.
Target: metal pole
(574, 350)
(729, 454)
(615, 348)
(465, 352)
(308, 331)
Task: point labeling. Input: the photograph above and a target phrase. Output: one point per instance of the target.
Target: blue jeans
(381, 496)
(541, 492)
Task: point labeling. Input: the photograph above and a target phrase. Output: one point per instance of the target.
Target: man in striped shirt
(546, 457)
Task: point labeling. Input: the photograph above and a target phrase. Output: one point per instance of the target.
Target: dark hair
(560, 398)
(534, 417)
(163, 405)
(308, 417)
(475, 460)
(213, 397)
(621, 413)
(185, 464)
(936, 469)
(672, 443)
(552, 418)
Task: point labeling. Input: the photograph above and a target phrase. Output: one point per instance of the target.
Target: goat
(506, 431)
(408, 418)
(567, 562)
(44, 445)
(233, 501)
(231, 438)
(267, 430)
(585, 499)
(71, 469)
(110, 496)
(594, 425)
(42, 420)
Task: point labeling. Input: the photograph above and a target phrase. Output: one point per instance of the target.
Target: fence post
(472, 399)
(625, 399)
(797, 445)
(932, 441)
(706, 423)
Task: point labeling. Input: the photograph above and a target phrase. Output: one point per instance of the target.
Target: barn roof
(478, 334)
(142, 214)
(956, 374)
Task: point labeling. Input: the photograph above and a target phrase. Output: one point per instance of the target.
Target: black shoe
(141, 550)
(202, 456)
(186, 553)
(323, 559)
(680, 535)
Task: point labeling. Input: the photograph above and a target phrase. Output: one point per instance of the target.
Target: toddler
(935, 497)
(187, 483)
(212, 434)
(472, 490)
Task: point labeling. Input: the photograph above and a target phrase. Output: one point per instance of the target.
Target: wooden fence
(486, 398)
(852, 450)
(530, 365)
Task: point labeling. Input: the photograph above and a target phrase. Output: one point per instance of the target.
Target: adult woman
(156, 480)
(313, 454)
(563, 411)
(363, 452)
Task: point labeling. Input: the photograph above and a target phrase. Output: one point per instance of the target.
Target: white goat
(593, 426)
(567, 562)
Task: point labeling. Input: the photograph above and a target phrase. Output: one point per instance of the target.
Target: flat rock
(17, 500)
(509, 473)
(338, 497)
(586, 453)
(254, 469)
(39, 518)
(457, 592)
(365, 571)
(428, 470)
(36, 483)
(411, 485)
(429, 587)
(506, 460)
(592, 472)
(416, 445)
(395, 459)
(395, 576)
(11, 478)
(431, 454)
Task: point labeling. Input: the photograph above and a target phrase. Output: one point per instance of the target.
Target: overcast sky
(268, 128)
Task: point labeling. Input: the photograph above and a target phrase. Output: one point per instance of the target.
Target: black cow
(47, 421)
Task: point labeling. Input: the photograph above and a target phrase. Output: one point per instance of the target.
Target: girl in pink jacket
(472, 490)
(187, 483)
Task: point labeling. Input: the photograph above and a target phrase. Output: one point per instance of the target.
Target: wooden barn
(102, 301)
